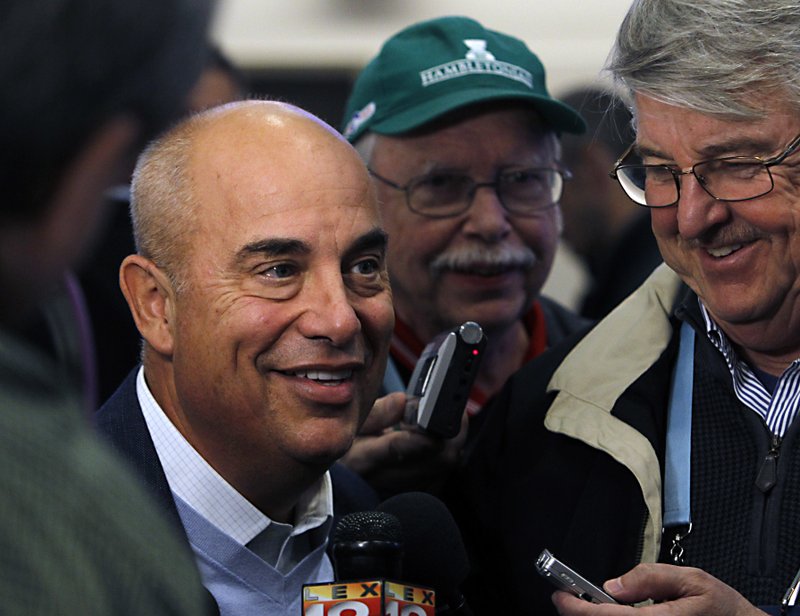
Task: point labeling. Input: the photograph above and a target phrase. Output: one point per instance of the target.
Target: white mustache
(474, 257)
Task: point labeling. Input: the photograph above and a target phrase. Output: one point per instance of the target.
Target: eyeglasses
(524, 192)
(732, 178)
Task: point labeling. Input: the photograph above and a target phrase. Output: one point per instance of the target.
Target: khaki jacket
(599, 369)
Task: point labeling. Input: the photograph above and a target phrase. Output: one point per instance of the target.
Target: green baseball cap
(437, 66)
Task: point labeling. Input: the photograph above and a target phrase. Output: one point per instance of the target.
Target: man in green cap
(462, 140)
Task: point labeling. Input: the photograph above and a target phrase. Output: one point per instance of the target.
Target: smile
(322, 376)
(723, 251)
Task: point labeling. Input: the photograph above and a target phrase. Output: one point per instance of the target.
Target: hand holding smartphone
(569, 580)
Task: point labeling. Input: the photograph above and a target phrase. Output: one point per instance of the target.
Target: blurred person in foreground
(261, 292)
(85, 83)
(668, 436)
(462, 141)
(612, 238)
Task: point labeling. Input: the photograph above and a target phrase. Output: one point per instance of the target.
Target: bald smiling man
(260, 289)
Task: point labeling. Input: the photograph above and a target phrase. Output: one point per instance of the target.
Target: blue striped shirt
(779, 408)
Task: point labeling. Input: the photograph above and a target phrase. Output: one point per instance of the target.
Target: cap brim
(561, 117)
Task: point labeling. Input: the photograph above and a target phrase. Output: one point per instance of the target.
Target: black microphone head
(368, 526)
(434, 552)
(367, 545)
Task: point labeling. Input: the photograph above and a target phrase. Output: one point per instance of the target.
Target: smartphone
(442, 379)
(566, 579)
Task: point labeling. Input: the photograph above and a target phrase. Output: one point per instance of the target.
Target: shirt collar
(194, 480)
(718, 337)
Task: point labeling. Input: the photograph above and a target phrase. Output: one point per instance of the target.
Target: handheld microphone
(367, 544)
(367, 560)
(443, 376)
(433, 550)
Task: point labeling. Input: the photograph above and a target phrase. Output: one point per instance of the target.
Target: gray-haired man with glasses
(660, 454)
(461, 138)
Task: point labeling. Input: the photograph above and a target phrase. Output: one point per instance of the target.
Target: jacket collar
(600, 368)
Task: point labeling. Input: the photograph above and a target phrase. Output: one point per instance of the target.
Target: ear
(151, 300)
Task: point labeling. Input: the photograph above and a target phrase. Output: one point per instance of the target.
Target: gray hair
(710, 55)
(162, 201)
(365, 145)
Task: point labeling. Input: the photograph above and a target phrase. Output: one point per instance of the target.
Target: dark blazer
(121, 422)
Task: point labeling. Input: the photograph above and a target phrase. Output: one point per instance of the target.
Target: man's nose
(329, 312)
(487, 217)
(698, 211)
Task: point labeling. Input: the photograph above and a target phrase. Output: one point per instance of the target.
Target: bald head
(213, 161)
(268, 221)
(262, 129)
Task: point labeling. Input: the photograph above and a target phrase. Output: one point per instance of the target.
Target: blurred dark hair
(68, 66)
(608, 121)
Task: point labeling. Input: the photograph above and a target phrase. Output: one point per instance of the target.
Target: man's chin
(492, 318)
(322, 451)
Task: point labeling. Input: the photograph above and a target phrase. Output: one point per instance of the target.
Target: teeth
(320, 375)
(723, 251)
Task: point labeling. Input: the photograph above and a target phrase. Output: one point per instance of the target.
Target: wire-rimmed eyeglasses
(731, 178)
(523, 191)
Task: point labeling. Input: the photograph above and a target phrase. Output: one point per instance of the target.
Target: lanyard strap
(677, 468)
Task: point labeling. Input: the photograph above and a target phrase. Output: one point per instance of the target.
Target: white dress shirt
(194, 480)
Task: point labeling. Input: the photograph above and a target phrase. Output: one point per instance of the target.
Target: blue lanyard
(677, 467)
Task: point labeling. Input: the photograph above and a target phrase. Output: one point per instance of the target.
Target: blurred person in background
(613, 239)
